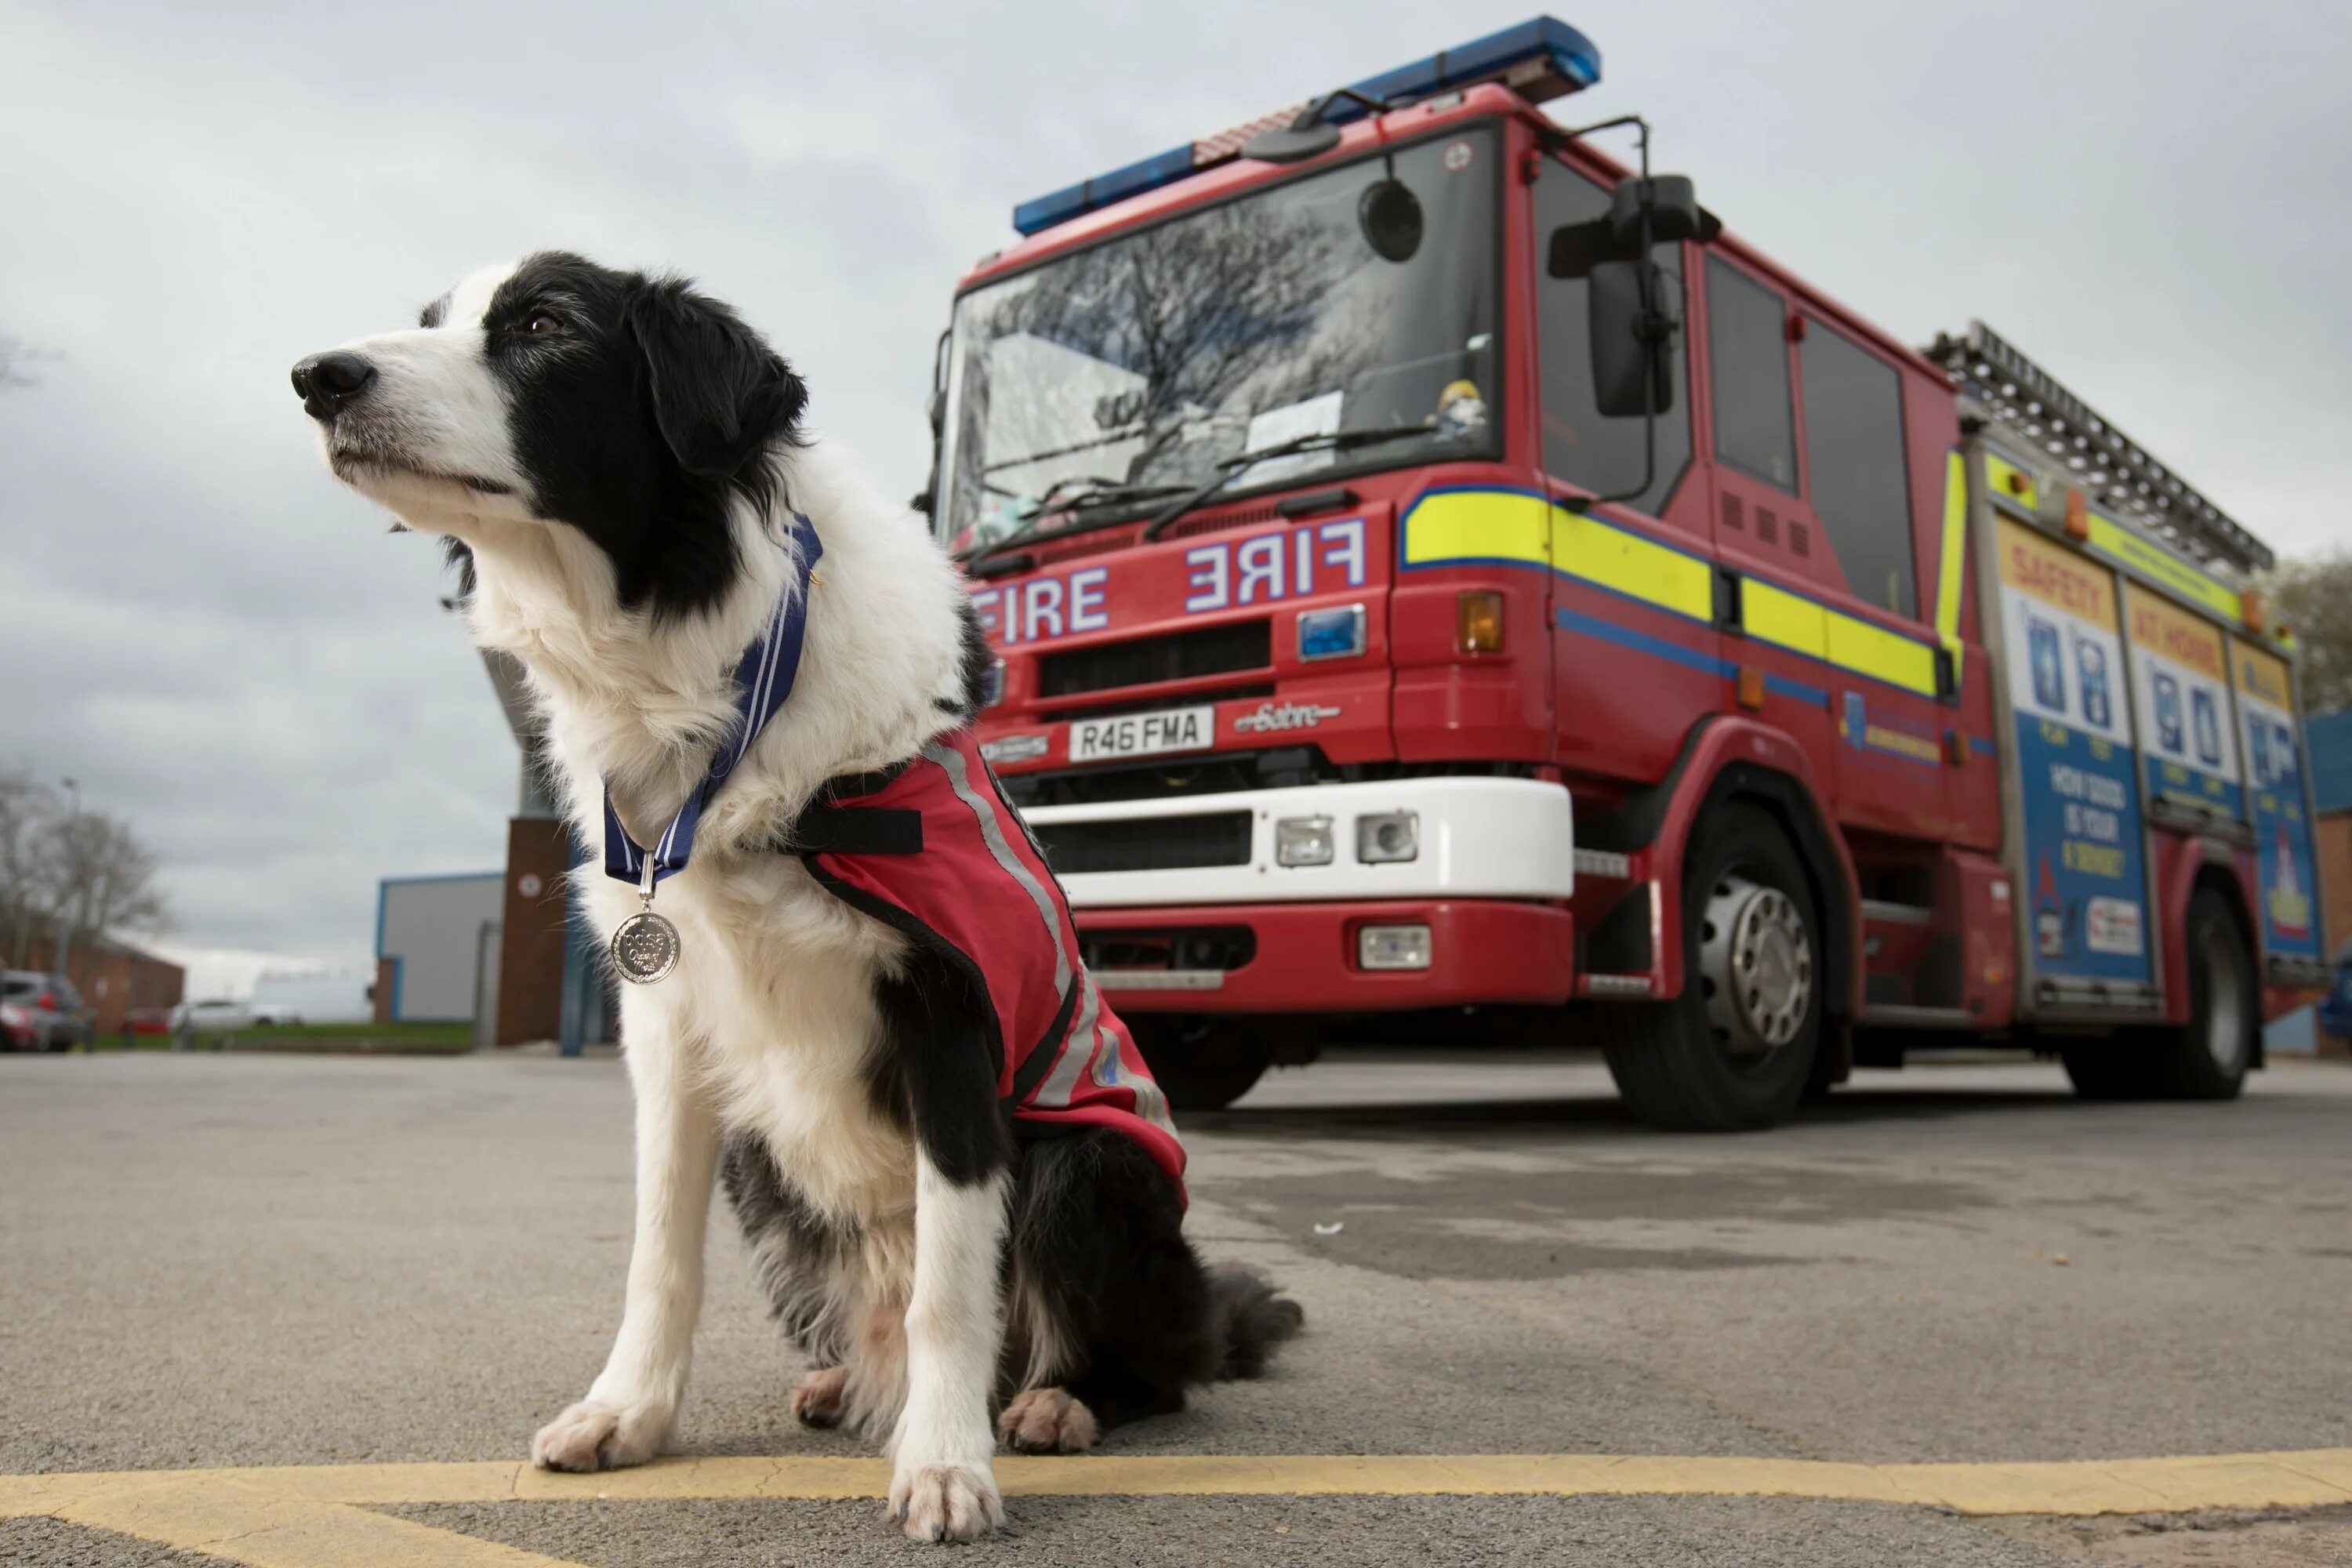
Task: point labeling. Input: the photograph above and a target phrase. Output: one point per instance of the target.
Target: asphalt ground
(229, 1261)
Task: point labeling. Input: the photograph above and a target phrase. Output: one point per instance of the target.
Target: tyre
(1201, 1064)
(1734, 1051)
(2206, 1057)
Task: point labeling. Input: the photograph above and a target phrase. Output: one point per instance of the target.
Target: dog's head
(560, 392)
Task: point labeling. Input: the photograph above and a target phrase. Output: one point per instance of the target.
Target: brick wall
(112, 978)
(532, 932)
(2334, 849)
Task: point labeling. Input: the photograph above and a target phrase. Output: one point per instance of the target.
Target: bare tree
(27, 807)
(89, 872)
(110, 878)
(2313, 598)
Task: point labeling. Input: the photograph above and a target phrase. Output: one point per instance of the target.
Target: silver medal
(645, 948)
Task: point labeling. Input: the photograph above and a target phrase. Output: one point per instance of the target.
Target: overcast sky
(226, 647)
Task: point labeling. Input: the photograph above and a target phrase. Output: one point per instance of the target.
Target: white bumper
(1480, 839)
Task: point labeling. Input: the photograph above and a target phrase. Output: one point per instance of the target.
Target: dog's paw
(820, 1398)
(1047, 1421)
(946, 1502)
(595, 1435)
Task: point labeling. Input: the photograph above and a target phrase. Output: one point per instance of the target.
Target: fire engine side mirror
(1576, 248)
(1616, 235)
(1674, 212)
(1631, 319)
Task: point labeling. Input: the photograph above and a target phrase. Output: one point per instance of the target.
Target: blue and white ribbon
(763, 679)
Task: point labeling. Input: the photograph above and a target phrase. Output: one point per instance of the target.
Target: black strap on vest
(859, 830)
(828, 827)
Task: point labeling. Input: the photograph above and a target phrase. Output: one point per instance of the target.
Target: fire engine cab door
(1815, 510)
(1637, 656)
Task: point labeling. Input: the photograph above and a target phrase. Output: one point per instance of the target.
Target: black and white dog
(615, 458)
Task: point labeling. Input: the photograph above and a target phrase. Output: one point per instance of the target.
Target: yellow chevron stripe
(1872, 650)
(1953, 558)
(1784, 619)
(1793, 621)
(1471, 526)
(1478, 525)
(1628, 564)
(2120, 544)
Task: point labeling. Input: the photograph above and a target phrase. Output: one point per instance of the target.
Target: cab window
(1855, 465)
(1579, 447)
(1748, 361)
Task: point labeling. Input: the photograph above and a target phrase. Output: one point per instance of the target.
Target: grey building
(436, 946)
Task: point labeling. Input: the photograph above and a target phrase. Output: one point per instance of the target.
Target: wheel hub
(1756, 967)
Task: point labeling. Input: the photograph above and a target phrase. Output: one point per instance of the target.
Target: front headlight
(1388, 837)
(1303, 841)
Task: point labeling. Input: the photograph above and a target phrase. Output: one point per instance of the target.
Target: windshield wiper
(1104, 494)
(1328, 441)
(1097, 493)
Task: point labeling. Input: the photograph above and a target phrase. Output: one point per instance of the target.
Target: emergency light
(1540, 59)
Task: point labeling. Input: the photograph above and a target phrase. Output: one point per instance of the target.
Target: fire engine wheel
(1200, 1064)
(1734, 1050)
(2205, 1059)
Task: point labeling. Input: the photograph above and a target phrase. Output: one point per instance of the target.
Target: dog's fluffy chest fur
(773, 993)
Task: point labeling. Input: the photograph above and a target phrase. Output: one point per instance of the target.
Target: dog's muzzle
(329, 383)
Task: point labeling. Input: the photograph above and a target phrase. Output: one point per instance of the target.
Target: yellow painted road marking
(253, 1525)
(317, 1516)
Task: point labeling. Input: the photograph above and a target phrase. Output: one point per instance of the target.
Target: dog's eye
(543, 324)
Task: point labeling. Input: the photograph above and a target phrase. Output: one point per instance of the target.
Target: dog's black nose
(328, 383)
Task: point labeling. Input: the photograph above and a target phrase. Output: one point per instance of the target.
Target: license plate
(1143, 734)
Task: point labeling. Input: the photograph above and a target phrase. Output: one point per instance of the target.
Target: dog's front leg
(631, 1408)
(943, 1487)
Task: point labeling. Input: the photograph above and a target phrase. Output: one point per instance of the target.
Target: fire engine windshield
(1328, 304)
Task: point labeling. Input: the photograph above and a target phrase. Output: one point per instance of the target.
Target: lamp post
(65, 905)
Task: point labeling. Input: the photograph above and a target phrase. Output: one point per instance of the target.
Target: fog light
(1302, 841)
(1392, 947)
(1390, 836)
(1479, 621)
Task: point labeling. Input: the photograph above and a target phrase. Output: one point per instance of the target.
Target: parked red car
(51, 1007)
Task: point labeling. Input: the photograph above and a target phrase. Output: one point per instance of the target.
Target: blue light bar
(1150, 173)
(1543, 58)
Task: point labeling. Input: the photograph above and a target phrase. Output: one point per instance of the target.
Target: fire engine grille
(1147, 844)
(1212, 651)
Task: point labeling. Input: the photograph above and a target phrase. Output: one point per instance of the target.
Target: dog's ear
(722, 397)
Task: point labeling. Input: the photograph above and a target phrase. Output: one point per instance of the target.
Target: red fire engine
(1440, 577)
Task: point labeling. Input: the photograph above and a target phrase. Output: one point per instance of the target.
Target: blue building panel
(2329, 738)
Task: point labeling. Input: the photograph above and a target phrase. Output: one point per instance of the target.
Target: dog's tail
(1248, 1319)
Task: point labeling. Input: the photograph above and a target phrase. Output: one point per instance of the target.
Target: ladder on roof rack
(2120, 476)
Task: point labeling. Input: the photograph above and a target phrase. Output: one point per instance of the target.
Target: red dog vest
(934, 849)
